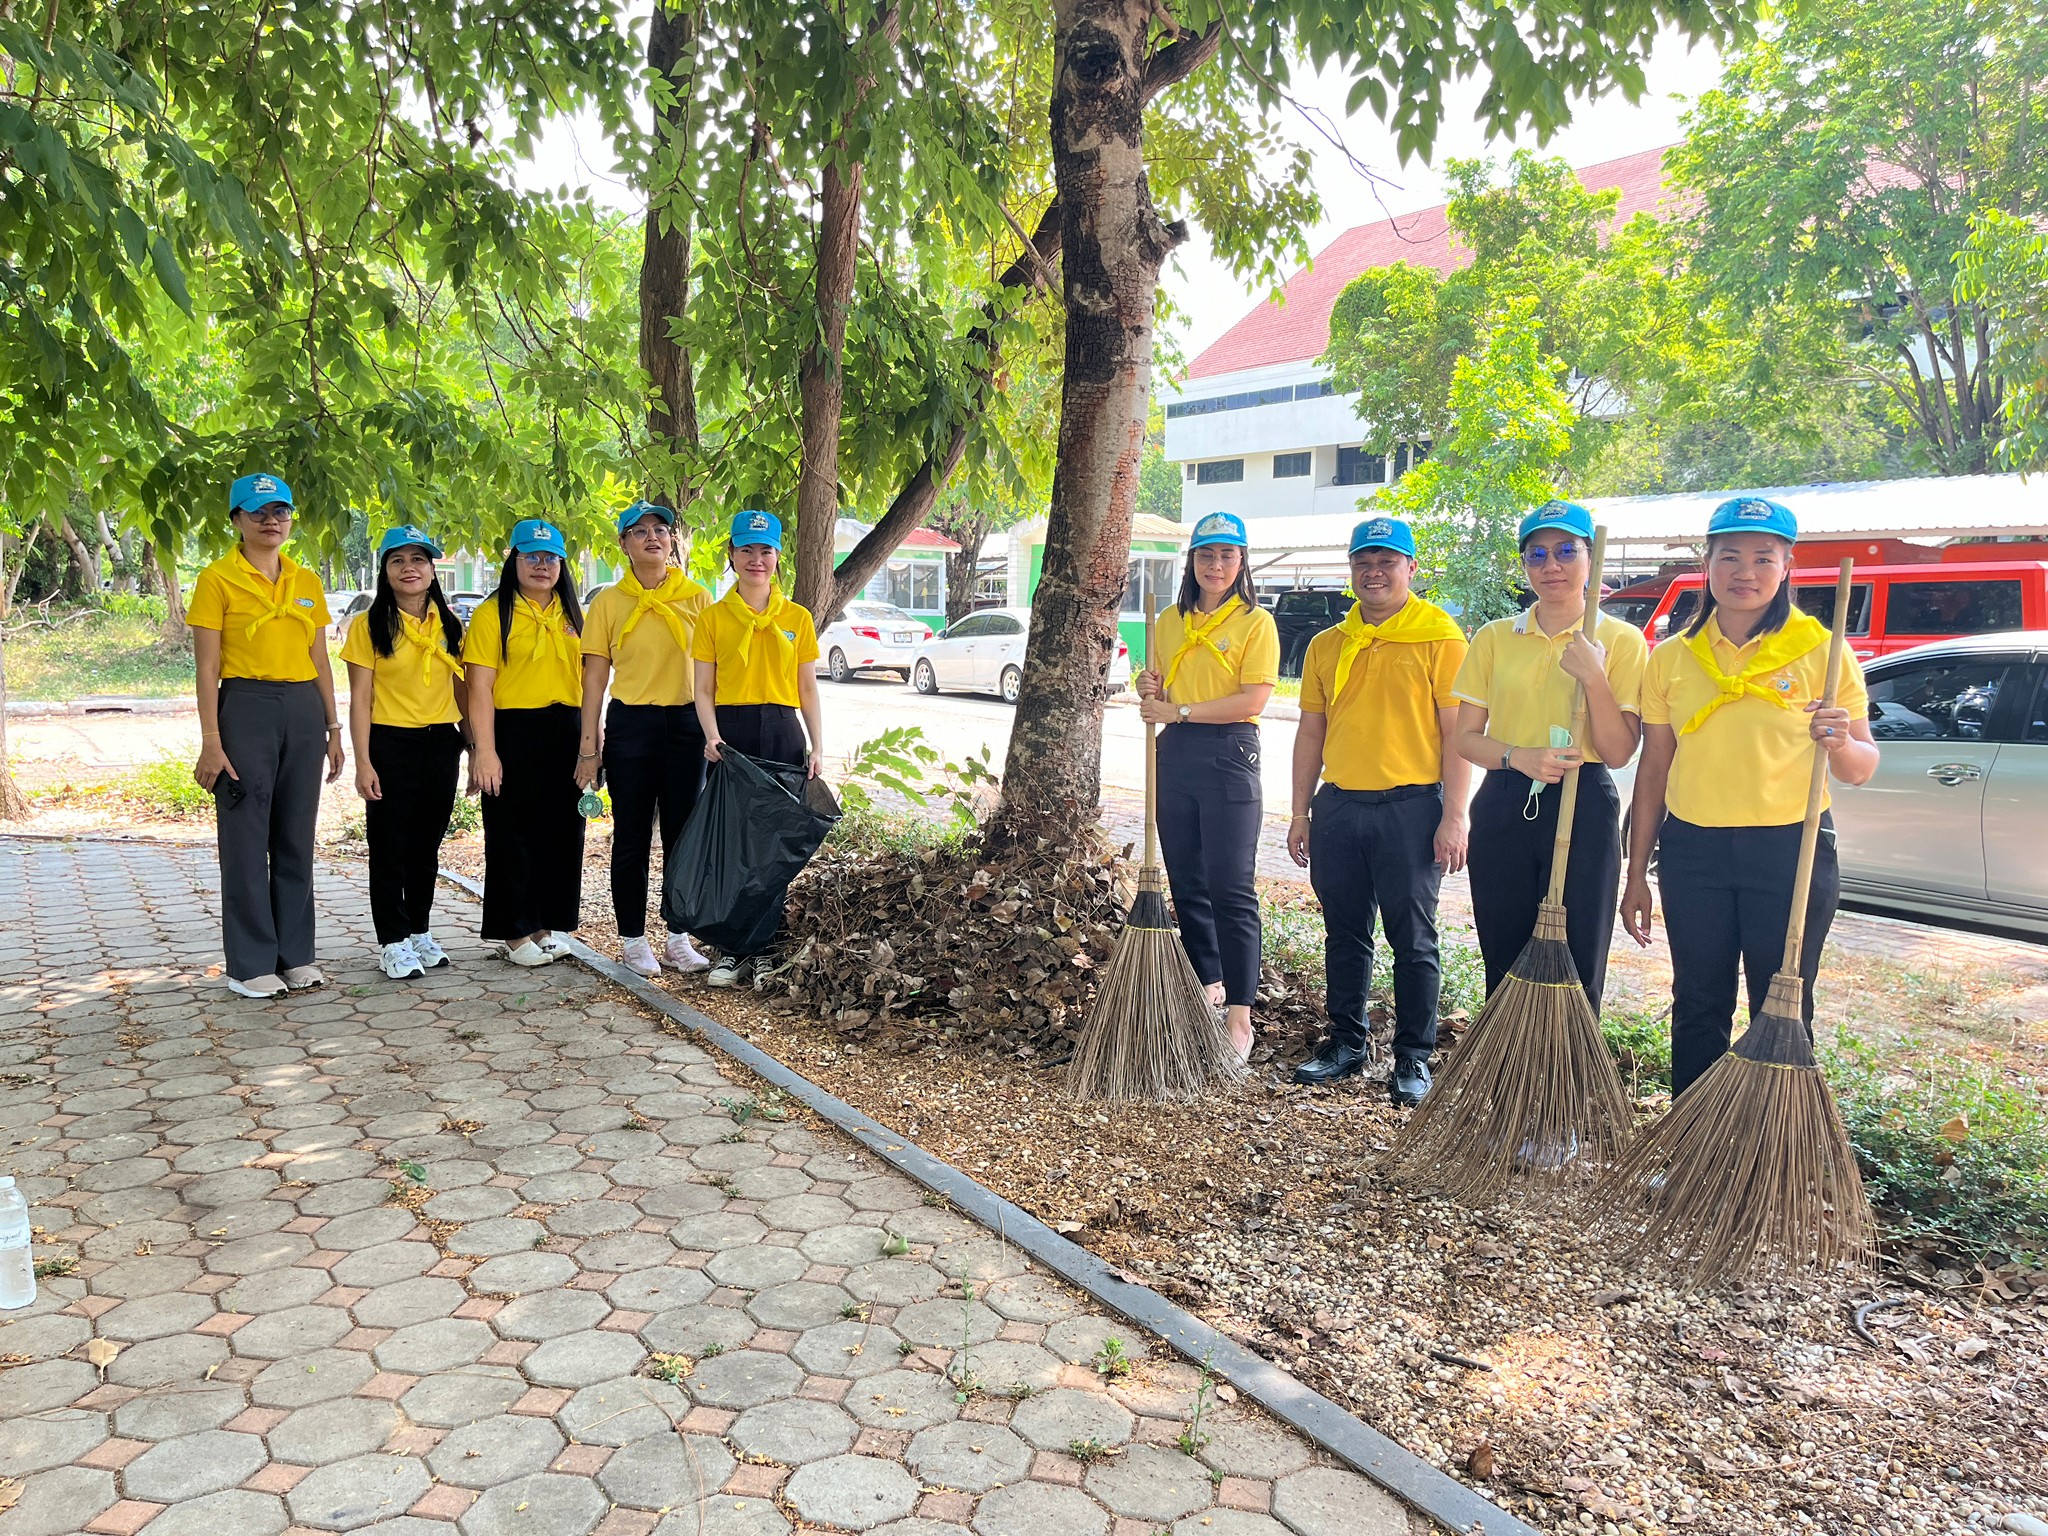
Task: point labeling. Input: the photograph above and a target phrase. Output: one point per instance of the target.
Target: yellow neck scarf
(424, 635)
(1417, 623)
(768, 620)
(659, 601)
(1195, 634)
(280, 598)
(1802, 633)
(550, 629)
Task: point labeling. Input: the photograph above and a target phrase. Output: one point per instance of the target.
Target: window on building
(1357, 467)
(1191, 472)
(1314, 391)
(916, 586)
(1408, 455)
(1291, 466)
(1219, 472)
(1155, 575)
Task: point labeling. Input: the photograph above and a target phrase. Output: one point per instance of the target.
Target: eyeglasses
(276, 512)
(1563, 553)
(537, 556)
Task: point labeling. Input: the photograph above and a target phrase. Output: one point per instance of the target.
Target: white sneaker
(431, 955)
(265, 986)
(302, 977)
(556, 945)
(528, 953)
(638, 955)
(400, 961)
(682, 955)
(727, 972)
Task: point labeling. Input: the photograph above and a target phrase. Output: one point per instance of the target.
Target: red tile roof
(925, 538)
(1295, 327)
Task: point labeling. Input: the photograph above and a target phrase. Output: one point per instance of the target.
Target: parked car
(1302, 615)
(344, 606)
(984, 653)
(464, 604)
(871, 637)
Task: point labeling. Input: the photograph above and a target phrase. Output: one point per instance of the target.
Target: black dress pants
(275, 734)
(1373, 853)
(1210, 811)
(768, 733)
(533, 833)
(1510, 870)
(417, 768)
(654, 764)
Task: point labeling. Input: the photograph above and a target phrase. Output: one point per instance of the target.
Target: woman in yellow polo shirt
(1219, 657)
(1514, 690)
(1731, 712)
(754, 651)
(637, 638)
(405, 708)
(266, 719)
(525, 673)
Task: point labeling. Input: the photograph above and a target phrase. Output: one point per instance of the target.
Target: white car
(984, 653)
(345, 606)
(871, 637)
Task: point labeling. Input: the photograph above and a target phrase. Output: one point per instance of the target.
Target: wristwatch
(1185, 711)
(1507, 758)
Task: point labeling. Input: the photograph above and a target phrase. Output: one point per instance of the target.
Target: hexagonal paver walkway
(491, 1252)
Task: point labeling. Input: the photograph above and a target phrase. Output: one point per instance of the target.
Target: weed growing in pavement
(1641, 1045)
(1111, 1361)
(713, 1349)
(749, 1109)
(905, 1347)
(670, 1368)
(1090, 1450)
(1192, 1439)
(417, 1172)
(854, 1312)
(966, 1381)
(897, 1246)
(52, 1269)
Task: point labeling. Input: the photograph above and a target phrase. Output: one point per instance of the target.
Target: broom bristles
(1153, 1035)
(1531, 1089)
(1750, 1171)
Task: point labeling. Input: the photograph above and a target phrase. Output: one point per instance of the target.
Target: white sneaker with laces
(727, 972)
(258, 986)
(683, 956)
(528, 953)
(400, 961)
(431, 954)
(638, 956)
(300, 978)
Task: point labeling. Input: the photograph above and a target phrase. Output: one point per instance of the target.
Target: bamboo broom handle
(1151, 747)
(1809, 834)
(1568, 808)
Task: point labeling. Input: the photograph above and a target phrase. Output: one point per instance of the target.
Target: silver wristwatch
(1185, 711)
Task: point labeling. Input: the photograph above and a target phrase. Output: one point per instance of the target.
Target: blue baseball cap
(1567, 516)
(1384, 533)
(641, 509)
(403, 536)
(1753, 514)
(1219, 528)
(756, 528)
(253, 491)
(533, 536)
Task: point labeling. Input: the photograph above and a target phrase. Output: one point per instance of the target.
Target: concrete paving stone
(650, 1172)
(703, 1131)
(454, 1398)
(680, 1198)
(313, 1138)
(723, 1156)
(624, 1251)
(1246, 1447)
(251, 1218)
(644, 1083)
(848, 1244)
(1038, 1509)
(61, 1500)
(1158, 1390)
(546, 1504)
(852, 1349)
(949, 1323)
(769, 1182)
(424, 1348)
(220, 1135)
(121, 1239)
(253, 1255)
(173, 1471)
(297, 1116)
(593, 1218)
(756, 1268)
(1006, 1369)
(1229, 1522)
(516, 1274)
(357, 1492)
(56, 1438)
(232, 1512)
(550, 1314)
(927, 1224)
(582, 1359)
(385, 1263)
(799, 1304)
(495, 1236)
(276, 1291)
(391, 1102)
(294, 1331)
(806, 1213)
(479, 1202)
(693, 1330)
(893, 1282)
(616, 1146)
(591, 1118)
(1033, 1299)
(726, 1515)
(171, 1415)
(333, 1431)
(716, 1230)
(122, 1146)
(1054, 1420)
(981, 1260)
(1151, 1482)
(622, 1410)
(855, 1493)
(52, 1335)
(100, 1100)
(231, 1187)
(1078, 1340)
(671, 1104)
(903, 1400)
(330, 1166)
(398, 1127)
(1326, 1501)
(91, 1128)
(665, 1471)
(366, 1229)
(743, 1378)
(540, 1158)
(117, 1207)
(572, 1096)
(658, 1289)
(971, 1457)
(152, 1317)
(164, 1362)
(343, 1196)
(494, 1451)
(462, 1173)
(917, 1525)
(418, 1300)
(311, 1378)
(153, 1276)
(793, 1430)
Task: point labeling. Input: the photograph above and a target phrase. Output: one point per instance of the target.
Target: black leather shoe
(1411, 1080)
(1332, 1064)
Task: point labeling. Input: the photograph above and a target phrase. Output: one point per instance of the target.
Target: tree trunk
(665, 255)
(13, 804)
(82, 580)
(1113, 246)
(174, 600)
(821, 389)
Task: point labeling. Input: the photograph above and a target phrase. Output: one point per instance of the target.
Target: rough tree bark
(967, 527)
(166, 558)
(82, 568)
(13, 804)
(665, 254)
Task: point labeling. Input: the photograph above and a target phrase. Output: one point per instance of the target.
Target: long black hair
(1241, 589)
(508, 590)
(383, 612)
(1775, 615)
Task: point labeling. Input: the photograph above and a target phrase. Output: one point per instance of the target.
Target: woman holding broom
(1731, 714)
(1221, 658)
(1515, 705)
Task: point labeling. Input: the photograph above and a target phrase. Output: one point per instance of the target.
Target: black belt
(1387, 796)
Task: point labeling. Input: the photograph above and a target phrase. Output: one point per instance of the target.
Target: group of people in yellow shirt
(521, 692)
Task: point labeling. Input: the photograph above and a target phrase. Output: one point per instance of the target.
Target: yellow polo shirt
(1242, 652)
(542, 665)
(1749, 762)
(415, 685)
(756, 665)
(267, 629)
(1512, 672)
(1384, 732)
(650, 661)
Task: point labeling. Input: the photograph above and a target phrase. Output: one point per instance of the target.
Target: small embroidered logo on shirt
(305, 602)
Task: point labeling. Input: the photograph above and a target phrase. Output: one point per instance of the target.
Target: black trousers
(533, 833)
(654, 763)
(1373, 852)
(768, 733)
(275, 734)
(1210, 811)
(1509, 862)
(417, 768)
(1727, 899)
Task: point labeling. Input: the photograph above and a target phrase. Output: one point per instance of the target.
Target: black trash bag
(754, 828)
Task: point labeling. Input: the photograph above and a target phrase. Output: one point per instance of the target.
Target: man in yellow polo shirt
(1377, 719)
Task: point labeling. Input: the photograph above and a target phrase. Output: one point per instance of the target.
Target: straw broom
(1153, 1034)
(1751, 1169)
(1531, 1088)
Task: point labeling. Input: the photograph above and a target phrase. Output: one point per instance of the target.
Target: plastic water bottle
(17, 1266)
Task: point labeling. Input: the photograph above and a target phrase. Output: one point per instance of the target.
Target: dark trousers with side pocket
(276, 736)
(417, 770)
(1210, 813)
(1510, 871)
(1372, 853)
(533, 833)
(1727, 900)
(654, 764)
(768, 733)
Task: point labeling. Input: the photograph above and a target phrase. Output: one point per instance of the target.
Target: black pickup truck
(1302, 615)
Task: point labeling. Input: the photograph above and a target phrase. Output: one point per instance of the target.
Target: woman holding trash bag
(1515, 695)
(259, 632)
(405, 716)
(525, 677)
(1218, 659)
(638, 638)
(754, 651)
